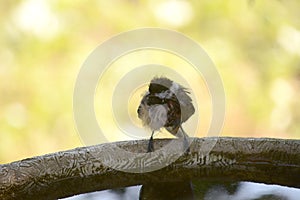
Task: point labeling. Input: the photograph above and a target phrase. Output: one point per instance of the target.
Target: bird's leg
(150, 144)
(186, 144)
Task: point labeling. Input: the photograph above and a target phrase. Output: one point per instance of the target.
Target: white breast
(158, 116)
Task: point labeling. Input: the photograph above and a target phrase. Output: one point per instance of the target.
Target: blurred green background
(254, 44)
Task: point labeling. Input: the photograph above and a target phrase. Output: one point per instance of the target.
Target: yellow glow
(127, 64)
(282, 94)
(16, 115)
(174, 12)
(289, 39)
(36, 17)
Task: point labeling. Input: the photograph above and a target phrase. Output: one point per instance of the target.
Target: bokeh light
(255, 46)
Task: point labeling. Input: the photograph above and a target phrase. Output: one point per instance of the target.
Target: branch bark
(92, 168)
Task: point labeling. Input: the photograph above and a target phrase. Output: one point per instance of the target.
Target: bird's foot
(150, 145)
(187, 151)
(186, 146)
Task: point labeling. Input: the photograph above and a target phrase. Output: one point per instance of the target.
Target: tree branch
(87, 169)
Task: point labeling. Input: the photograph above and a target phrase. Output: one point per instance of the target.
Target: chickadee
(166, 104)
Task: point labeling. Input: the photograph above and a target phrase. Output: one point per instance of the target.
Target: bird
(167, 105)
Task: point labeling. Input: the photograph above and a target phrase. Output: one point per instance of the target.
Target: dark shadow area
(197, 189)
